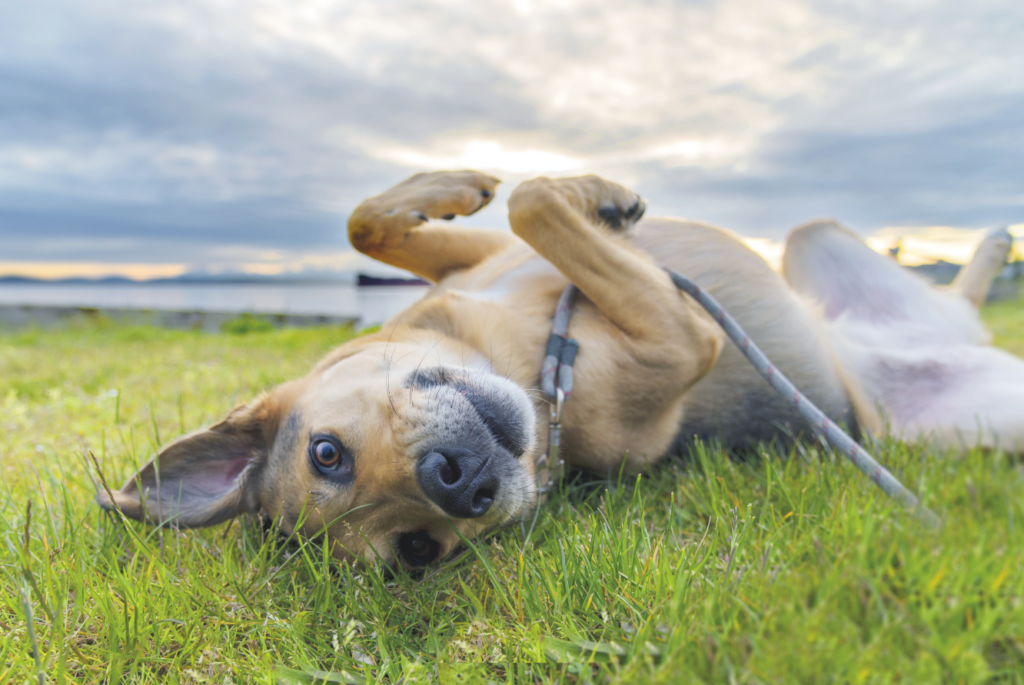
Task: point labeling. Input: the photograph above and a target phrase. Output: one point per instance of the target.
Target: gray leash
(556, 384)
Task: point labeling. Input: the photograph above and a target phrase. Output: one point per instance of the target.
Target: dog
(401, 442)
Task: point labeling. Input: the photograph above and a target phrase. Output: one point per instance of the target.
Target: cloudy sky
(221, 133)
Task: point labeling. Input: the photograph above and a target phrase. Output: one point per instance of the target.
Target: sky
(155, 137)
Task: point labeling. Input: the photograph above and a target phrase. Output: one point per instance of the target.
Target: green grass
(1005, 320)
(792, 568)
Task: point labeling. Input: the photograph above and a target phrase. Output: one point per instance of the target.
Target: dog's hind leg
(918, 354)
(975, 278)
(831, 266)
(395, 228)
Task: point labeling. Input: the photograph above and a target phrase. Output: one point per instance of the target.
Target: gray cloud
(181, 132)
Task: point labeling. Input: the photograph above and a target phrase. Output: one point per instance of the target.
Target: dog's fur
(437, 415)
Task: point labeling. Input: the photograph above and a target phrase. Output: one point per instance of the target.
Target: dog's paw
(619, 219)
(603, 202)
(997, 242)
(440, 195)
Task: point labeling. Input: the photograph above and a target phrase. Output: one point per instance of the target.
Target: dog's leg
(562, 220)
(394, 227)
(910, 349)
(975, 279)
(829, 265)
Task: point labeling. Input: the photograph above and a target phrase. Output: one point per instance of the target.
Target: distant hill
(67, 281)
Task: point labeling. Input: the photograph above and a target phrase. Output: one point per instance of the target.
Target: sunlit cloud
(59, 270)
(703, 152)
(492, 156)
(274, 263)
(486, 156)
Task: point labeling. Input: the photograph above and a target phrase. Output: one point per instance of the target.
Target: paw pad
(616, 219)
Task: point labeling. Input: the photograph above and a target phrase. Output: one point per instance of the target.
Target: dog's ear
(206, 477)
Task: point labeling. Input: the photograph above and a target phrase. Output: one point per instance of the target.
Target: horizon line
(921, 245)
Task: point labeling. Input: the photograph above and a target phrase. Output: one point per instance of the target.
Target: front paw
(387, 219)
(439, 195)
(601, 201)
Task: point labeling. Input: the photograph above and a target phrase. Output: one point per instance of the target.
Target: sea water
(371, 305)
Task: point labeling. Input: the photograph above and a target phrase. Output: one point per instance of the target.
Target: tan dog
(398, 439)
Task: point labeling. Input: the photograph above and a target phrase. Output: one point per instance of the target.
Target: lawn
(792, 568)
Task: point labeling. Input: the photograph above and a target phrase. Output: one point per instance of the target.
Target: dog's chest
(507, 278)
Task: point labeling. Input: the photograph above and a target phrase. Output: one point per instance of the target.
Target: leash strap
(555, 368)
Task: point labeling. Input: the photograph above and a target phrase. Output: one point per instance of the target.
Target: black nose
(462, 483)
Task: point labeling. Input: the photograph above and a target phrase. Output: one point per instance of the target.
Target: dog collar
(556, 384)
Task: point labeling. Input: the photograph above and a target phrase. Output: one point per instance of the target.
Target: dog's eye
(328, 455)
(418, 549)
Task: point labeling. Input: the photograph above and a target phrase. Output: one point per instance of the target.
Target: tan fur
(652, 365)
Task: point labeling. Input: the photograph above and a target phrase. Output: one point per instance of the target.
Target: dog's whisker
(508, 374)
(387, 390)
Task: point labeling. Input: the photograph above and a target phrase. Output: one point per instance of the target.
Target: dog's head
(387, 448)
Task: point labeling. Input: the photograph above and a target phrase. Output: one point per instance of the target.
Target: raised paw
(384, 221)
(601, 201)
(996, 244)
(438, 195)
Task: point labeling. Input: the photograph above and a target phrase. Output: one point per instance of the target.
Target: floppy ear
(203, 478)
